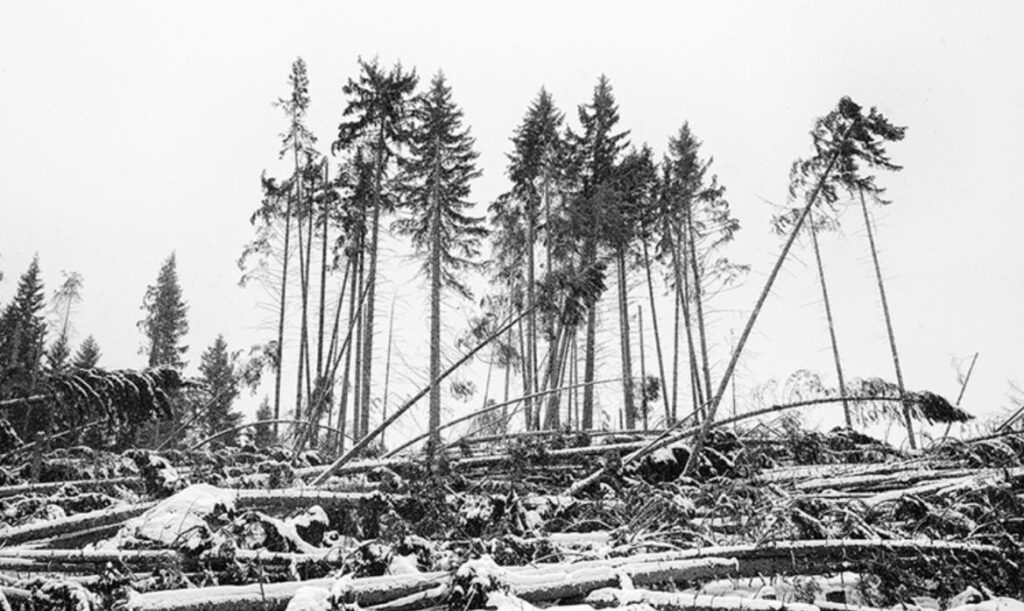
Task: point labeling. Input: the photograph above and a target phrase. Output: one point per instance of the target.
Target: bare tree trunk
(643, 367)
(683, 281)
(527, 409)
(552, 418)
(657, 336)
(576, 376)
(333, 348)
(530, 373)
(367, 332)
(357, 382)
(698, 299)
(831, 325)
(323, 279)
(387, 366)
(343, 402)
(676, 307)
(279, 351)
(304, 294)
(435, 323)
(589, 350)
(627, 362)
(960, 397)
(888, 322)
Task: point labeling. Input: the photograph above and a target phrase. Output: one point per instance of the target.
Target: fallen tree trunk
(48, 488)
(79, 522)
(275, 596)
(675, 601)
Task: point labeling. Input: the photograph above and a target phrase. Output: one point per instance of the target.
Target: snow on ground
(173, 516)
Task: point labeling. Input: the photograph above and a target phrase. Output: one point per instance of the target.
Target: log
(48, 488)
(275, 596)
(78, 522)
(678, 601)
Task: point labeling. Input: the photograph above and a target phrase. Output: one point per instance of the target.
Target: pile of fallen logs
(569, 520)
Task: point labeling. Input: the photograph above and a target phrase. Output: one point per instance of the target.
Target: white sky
(132, 129)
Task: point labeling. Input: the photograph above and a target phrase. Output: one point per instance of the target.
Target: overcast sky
(132, 129)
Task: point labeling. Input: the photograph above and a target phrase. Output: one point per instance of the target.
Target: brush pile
(774, 518)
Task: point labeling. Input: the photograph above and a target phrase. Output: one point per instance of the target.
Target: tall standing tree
(635, 187)
(22, 336)
(595, 156)
(88, 354)
(23, 329)
(378, 114)
(221, 381)
(441, 165)
(166, 321)
(65, 298)
(537, 145)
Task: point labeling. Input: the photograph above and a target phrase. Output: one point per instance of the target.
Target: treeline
(585, 209)
(580, 197)
(42, 376)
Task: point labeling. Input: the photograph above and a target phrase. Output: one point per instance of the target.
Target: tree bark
(530, 374)
(831, 324)
(624, 336)
(888, 322)
(657, 337)
(279, 352)
(643, 367)
(698, 299)
(323, 278)
(367, 352)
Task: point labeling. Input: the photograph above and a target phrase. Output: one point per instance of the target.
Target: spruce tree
(58, 354)
(441, 165)
(533, 170)
(217, 368)
(378, 114)
(88, 354)
(263, 436)
(165, 323)
(595, 156)
(23, 328)
(22, 333)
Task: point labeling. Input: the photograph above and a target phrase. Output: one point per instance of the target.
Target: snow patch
(173, 516)
(310, 598)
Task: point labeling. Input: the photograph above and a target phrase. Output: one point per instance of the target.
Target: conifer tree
(537, 145)
(263, 436)
(58, 354)
(378, 115)
(441, 165)
(64, 301)
(595, 155)
(88, 354)
(165, 323)
(217, 368)
(22, 336)
(23, 328)
(635, 187)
